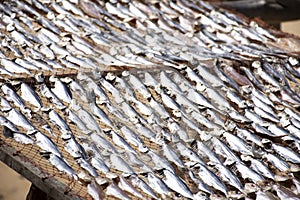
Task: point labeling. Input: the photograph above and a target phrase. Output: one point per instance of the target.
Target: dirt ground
(14, 187)
(291, 27)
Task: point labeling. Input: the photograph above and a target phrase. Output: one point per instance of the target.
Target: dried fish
(210, 178)
(286, 153)
(134, 139)
(12, 67)
(62, 166)
(20, 120)
(139, 183)
(128, 187)
(57, 120)
(46, 144)
(176, 184)
(115, 191)
(61, 90)
(28, 94)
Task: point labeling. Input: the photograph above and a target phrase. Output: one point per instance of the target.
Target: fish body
(62, 166)
(20, 120)
(139, 183)
(177, 184)
(134, 139)
(28, 94)
(46, 144)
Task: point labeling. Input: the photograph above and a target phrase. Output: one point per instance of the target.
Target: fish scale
(168, 107)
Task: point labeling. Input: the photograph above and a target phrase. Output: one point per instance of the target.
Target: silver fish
(248, 173)
(157, 184)
(119, 141)
(277, 131)
(262, 130)
(23, 138)
(177, 184)
(11, 95)
(115, 93)
(172, 156)
(150, 81)
(139, 183)
(128, 187)
(186, 103)
(233, 97)
(139, 86)
(118, 163)
(237, 144)
(85, 165)
(87, 118)
(57, 120)
(16, 135)
(248, 135)
(60, 52)
(159, 109)
(254, 117)
(41, 64)
(7, 123)
(146, 132)
(134, 139)
(45, 143)
(261, 195)
(203, 120)
(115, 191)
(101, 115)
(102, 143)
(201, 185)
(5, 106)
(94, 191)
(210, 178)
(188, 153)
(286, 153)
(259, 103)
(174, 128)
(62, 166)
(209, 77)
(284, 193)
(76, 120)
(224, 151)
(20, 38)
(170, 103)
(143, 108)
(20, 120)
(101, 96)
(259, 167)
(166, 81)
(26, 64)
(28, 94)
(205, 151)
(133, 115)
(61, 90)
(74, 148)
(46, 92)
(229, 177)
(48, 53)
(277, 162)
(160, 162)
(218, 100)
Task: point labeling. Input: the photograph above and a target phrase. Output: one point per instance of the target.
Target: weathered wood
(51, 186)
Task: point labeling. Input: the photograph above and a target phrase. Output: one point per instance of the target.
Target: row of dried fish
(132, 114)
(66, 39)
